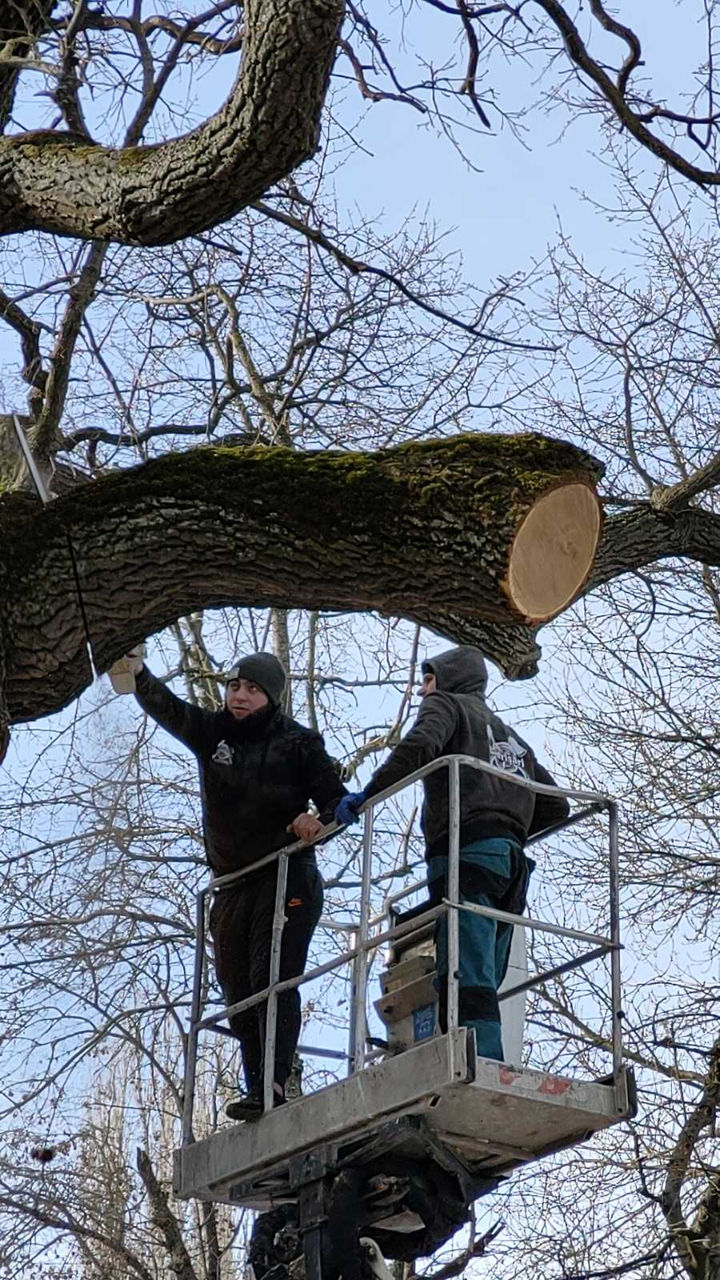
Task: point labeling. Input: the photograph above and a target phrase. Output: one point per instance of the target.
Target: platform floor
(486, 1115)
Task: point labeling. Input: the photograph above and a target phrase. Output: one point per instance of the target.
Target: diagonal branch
(45, 436)
(166, 1222)
(614, 92)
(156, 195)
(679, 495)
(357, 267)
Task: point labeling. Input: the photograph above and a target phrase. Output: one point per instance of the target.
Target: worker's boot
(250, 1107)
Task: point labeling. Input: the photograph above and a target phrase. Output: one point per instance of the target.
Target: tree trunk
(430, 532)
(164, 1219)
(154, 195)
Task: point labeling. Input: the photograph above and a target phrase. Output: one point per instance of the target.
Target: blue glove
(347, 810)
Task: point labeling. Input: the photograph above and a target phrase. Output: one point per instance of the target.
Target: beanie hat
(264, 670)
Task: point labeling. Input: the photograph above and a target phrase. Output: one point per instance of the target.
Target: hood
(460, 670)
(265, 670)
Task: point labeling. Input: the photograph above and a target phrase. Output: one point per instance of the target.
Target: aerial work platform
(484, 1116)
(420, 1126)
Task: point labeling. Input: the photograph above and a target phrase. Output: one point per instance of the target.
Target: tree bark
(155, 195)
(644, 534)
(423, 531)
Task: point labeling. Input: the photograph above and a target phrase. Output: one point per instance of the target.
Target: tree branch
(641, 536)
(159, 194)
(692, 1246)
(44, 436)
(614, 92)
(357, 267)
(68, 1224)
(165, 1220)
(20, 25)
(423, 531)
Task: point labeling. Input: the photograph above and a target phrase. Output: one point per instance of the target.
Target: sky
(503, 212)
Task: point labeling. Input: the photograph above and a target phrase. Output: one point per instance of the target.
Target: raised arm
(181, 719)
(426, 741)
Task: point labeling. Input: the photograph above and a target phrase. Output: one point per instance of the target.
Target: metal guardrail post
(453, 920)
(193, 1031)
(361, 963)
(278, 926)
(353, 1003)
(615, 982)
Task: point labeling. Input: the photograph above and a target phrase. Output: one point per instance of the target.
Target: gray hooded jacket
(456, 720)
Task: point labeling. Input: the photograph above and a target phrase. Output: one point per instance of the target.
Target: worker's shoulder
(439, 700)
(290, 728)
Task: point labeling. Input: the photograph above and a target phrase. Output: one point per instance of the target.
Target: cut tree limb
(152, 195)
(473, 537)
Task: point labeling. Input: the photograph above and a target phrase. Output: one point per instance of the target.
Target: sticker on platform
(423, 1022)
(554, 1085)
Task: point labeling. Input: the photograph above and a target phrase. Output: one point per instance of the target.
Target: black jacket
(256, 775)
(456, 720)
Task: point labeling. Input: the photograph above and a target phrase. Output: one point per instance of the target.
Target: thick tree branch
(696, 1244)
(642, 536)
(430, 532)
(159, 194)
(680, 494)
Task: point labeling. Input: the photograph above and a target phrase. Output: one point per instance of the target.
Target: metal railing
(365, 939)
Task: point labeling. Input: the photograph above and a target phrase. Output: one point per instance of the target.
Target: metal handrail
(365, 941)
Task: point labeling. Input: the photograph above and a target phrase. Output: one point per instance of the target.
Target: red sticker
(554, 1086)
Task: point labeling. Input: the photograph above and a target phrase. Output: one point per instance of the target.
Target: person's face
(244, 698)
(428, 685)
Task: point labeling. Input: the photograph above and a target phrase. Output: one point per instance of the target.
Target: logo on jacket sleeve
(222, 753)
(509, 755)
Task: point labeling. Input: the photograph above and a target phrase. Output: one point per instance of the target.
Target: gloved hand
(135, 659)
(347, 810)
(123, 672)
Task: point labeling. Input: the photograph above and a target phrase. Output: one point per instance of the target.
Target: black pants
(241, 926)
